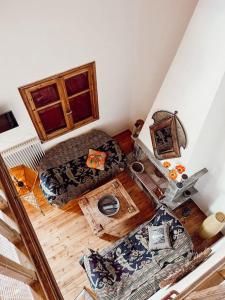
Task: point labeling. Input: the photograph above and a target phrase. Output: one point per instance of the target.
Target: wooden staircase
(22, 261)
(210, 286)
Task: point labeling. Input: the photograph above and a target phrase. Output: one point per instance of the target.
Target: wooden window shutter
(62, 102)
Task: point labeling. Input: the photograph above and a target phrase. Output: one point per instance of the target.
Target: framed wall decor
(167, 135)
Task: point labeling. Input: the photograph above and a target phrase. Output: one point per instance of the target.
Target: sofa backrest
(72, 149)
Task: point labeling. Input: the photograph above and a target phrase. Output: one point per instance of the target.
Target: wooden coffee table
(99, 223)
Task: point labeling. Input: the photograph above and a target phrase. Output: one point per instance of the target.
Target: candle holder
(184, 177)
(180, 184)
(187, 194)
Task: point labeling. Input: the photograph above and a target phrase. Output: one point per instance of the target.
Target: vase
(212, 225)
(137, 167)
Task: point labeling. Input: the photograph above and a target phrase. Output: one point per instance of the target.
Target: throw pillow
(186, 268)
(159, 237)
(98, 269)
(96, 159)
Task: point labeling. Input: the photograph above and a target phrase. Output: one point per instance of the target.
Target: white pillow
(159, 237)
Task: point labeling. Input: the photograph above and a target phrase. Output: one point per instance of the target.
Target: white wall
(160, 27)
(195, 73)
(209, 151)
(195, 86)
(41, 38)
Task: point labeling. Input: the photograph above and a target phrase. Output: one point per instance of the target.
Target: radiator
(28, 153)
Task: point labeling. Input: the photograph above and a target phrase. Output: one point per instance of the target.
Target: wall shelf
(173, 196)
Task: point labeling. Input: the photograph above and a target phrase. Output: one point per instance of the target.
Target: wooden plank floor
(192, 223)
(65, 235)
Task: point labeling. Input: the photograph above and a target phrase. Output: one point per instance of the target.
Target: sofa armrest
(98, 269)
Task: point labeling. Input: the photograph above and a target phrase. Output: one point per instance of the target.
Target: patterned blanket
(62, 182)
(129, 270)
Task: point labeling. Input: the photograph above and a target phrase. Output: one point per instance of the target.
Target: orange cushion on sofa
(96, 159)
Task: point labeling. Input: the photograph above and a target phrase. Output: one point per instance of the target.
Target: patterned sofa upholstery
(64, 174)
(129, 270)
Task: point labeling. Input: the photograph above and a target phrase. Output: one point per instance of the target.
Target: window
(62, 102)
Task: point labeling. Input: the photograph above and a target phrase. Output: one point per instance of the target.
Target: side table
(24, 180)
(100, 223)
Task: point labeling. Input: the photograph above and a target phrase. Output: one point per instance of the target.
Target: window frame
(64, 100)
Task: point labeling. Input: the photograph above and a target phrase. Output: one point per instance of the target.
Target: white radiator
(28, 153)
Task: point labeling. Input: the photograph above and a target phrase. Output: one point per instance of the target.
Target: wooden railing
(208, 285)
(20, 233)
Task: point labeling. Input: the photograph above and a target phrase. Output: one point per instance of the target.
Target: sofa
(129, 270)
(64, 174)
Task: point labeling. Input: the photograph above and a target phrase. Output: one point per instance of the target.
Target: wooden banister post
(9, 233)
(14, 270)
(171, 295)
(3, 202)
(215, 292)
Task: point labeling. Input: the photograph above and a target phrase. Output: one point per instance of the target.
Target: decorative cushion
(159, 237)
(186, 268)
(96, 159)
(98, 268)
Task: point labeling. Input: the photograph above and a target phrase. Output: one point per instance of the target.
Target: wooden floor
(192, 223)
(65, 235)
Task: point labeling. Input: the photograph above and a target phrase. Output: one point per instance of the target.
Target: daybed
(64, 174)
(129, 270)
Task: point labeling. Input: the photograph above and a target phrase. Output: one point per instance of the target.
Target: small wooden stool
(24, 180)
